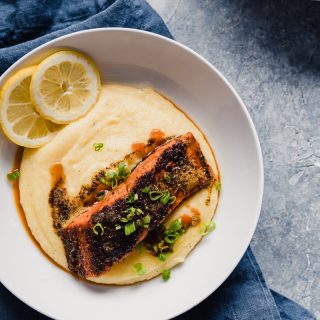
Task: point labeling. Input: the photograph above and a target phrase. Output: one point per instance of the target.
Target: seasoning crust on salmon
(110, 229)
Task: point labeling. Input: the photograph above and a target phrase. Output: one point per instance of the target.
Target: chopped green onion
(121, 168)
(132, 197)
(162, 246)
(104, 181)
(111, 175)
(131, 210)
(146, 219)
(14, 175)
(124, 219)
(139, 222)
(123, 171)
(176, 225)
(139, 269)
(113, 178)
(166, 274)
(167, 177)
(165, 197)
(98, 146)
(118, 227)
(172, 237)
(139, 211)
(162, 257)
(129, 228)
(130, 215)
(146, 190)
(114, 183)
(172, 200)
(96, 227)
(207, 227)
(100, 195)
(218, 185)
(155, 195)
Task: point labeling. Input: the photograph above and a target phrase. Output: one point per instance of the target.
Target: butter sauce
(16, 196)
(57, 173)
(138, 146)
(157, 134)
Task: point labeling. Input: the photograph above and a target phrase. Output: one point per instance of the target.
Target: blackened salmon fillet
(109, 230)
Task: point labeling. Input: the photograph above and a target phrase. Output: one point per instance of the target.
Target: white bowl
(199, 89)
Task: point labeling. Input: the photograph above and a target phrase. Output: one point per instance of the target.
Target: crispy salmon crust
(90, 254)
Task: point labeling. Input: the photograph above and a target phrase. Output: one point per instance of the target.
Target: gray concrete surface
(270, 52)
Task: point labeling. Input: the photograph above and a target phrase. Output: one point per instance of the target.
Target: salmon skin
(103, 235)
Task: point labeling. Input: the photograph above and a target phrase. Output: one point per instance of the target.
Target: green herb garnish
(155, 195)
(175, 225)
(121, 168)
(167, 178)
(172, 237)
(100, 195)
(114, 183)
(14, 175)
(129, 228)
(111, 175)
(162, 257)
(166, 274)
(207, 227)
(139, 269)
(172, 234)
(146, 220)
(130, 216)
(124, 219)
(172, 200)
(132, 213)
(118, 227)
(98, 146)
(218, 185)
(165, 237)
(131, 210)
(123, 171)
(132, 197)
(165, 198)
(112, 178)
(104, 181)
(146, 190)
(139, 211)
(98, 226)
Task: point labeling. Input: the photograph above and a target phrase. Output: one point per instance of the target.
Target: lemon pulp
(65, 86)
(19, 119)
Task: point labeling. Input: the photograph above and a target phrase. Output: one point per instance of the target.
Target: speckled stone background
(270, 52)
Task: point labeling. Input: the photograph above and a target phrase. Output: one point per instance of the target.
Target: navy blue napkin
(26, 24)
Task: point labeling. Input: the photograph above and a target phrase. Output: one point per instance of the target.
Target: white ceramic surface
(199, 89)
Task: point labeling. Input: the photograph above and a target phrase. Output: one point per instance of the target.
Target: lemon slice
(65, 86)
(19, 120)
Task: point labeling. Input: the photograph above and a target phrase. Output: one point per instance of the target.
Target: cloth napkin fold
(26, 24)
